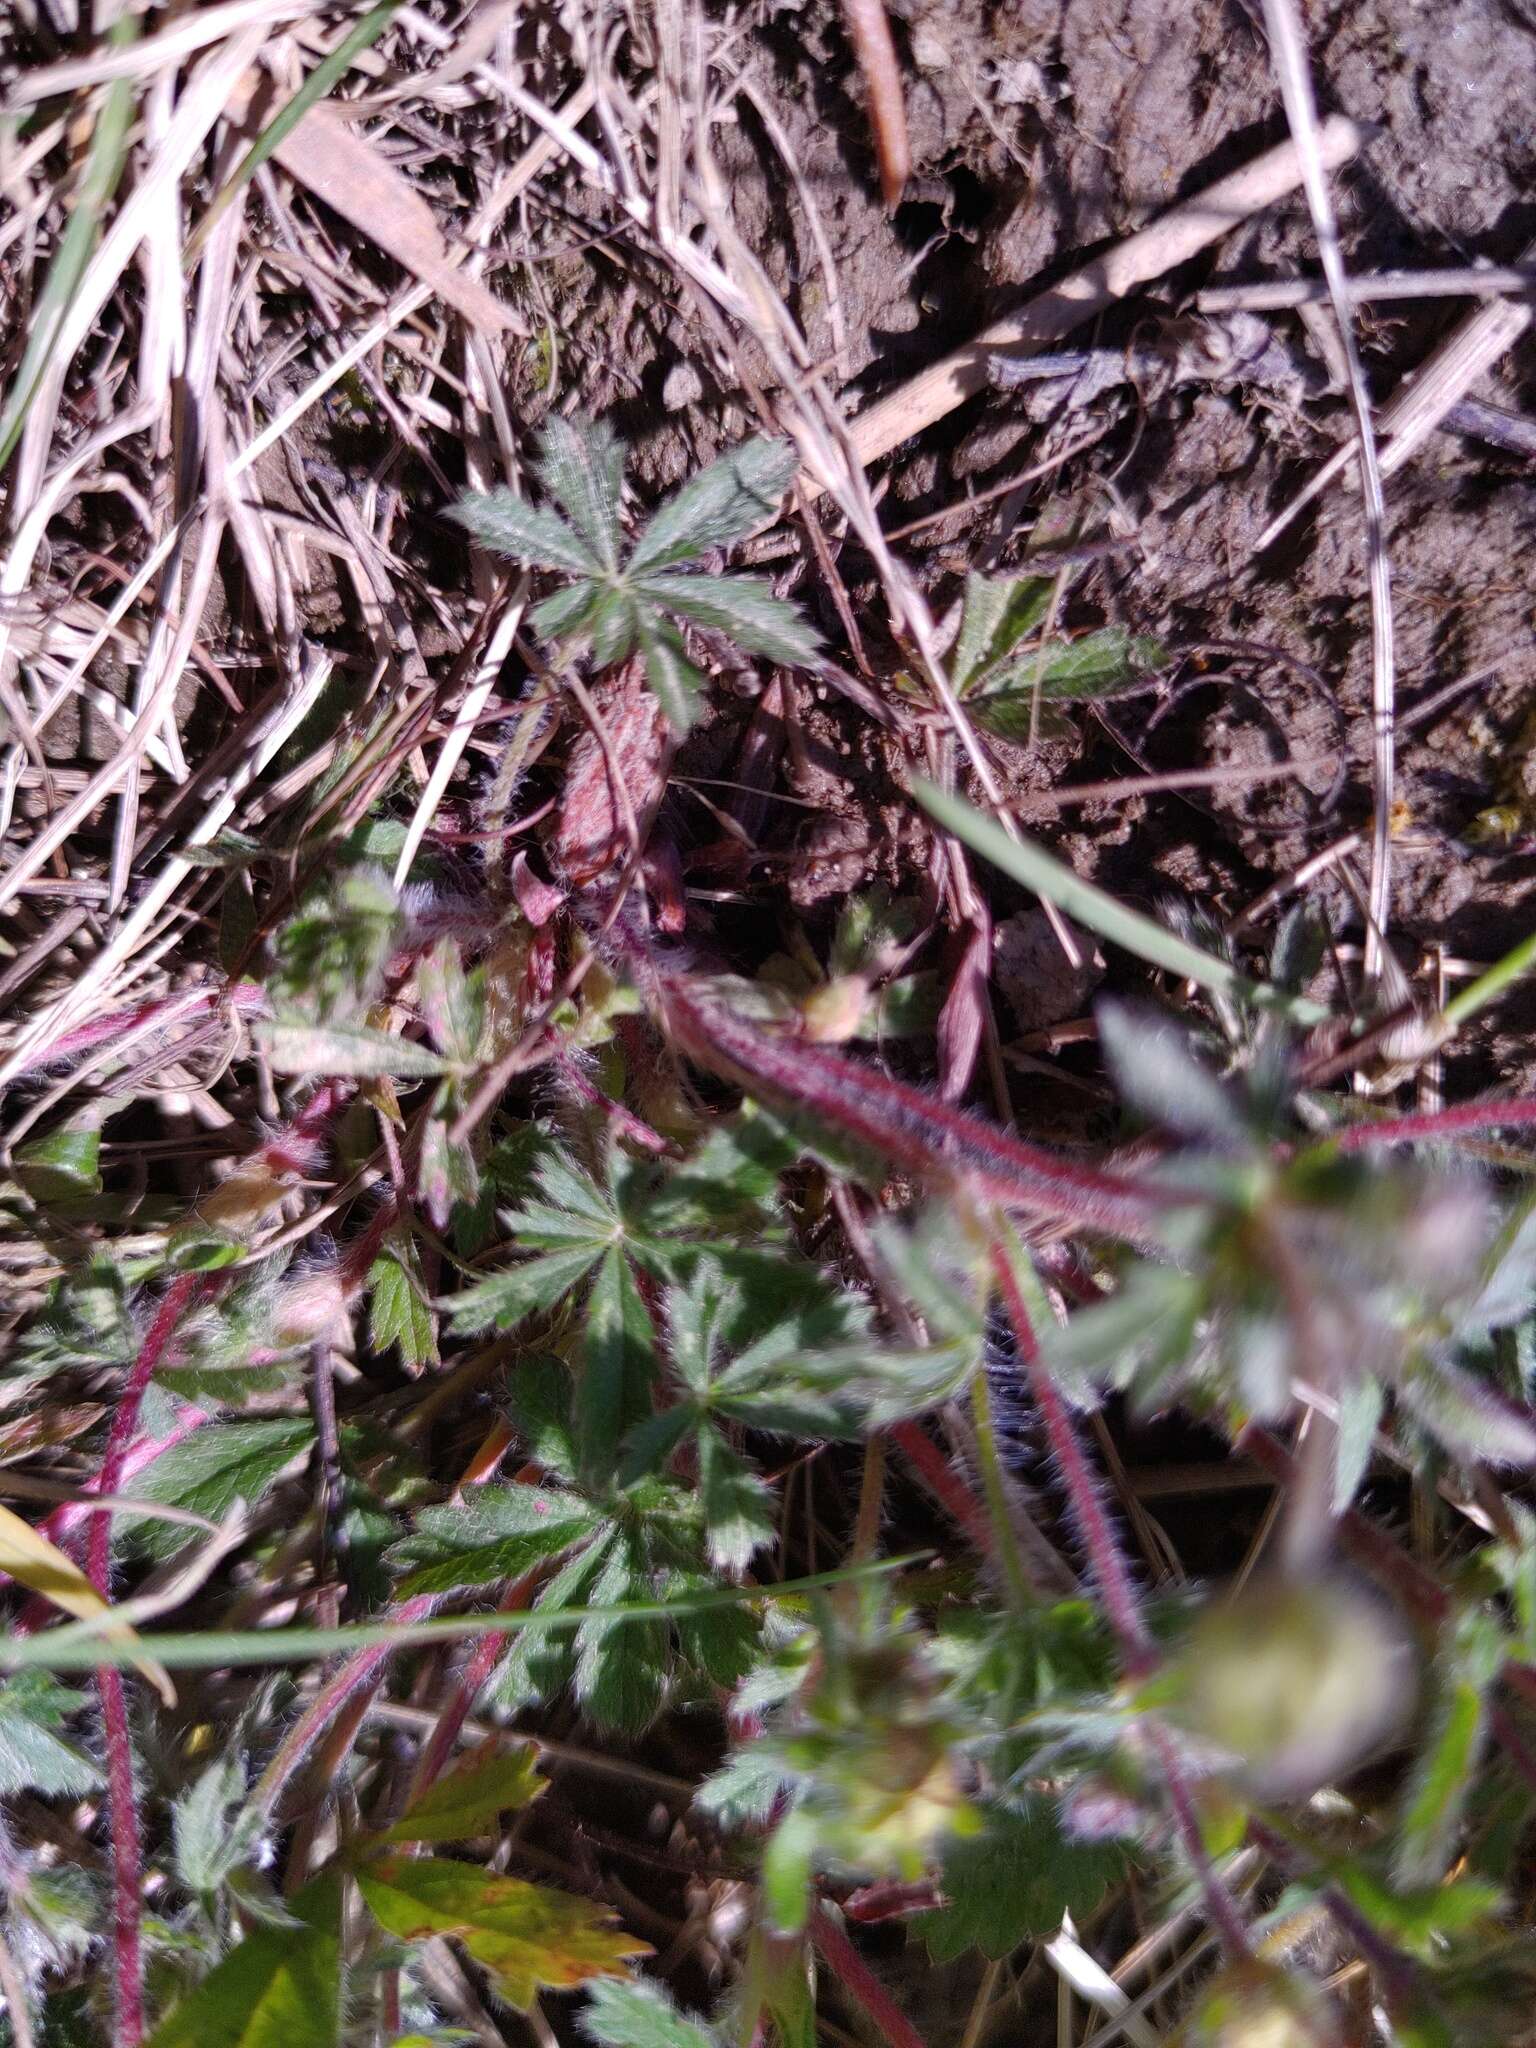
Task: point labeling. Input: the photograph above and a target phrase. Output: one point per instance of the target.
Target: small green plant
(1019, 685)
(621, 595)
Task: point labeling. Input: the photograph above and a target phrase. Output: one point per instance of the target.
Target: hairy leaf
(295, 1048)
(213, 1468)
(497, 1533)
(677, 683)
(742, 606)
(618, 1365)
(723, 503)
(621, 1666)
(1013, 1881)
(635, 2013)
(582, 468)
(505, 1299)
(470, 1799)
(34, 1756)
(998, 612)
(739, 1510)
(1158, 1075)
(530, 534)
(398, 1313)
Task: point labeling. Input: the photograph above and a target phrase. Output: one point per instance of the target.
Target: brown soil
(1041, 130)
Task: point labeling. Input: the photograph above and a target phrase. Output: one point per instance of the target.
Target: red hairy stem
(1219, 1902)
(122, 1795)
(1094, 1528)
(245, 997)
(943, 1482)
(1118, 1591)
(127, 1861)
(1458, 1121)
(902, 1124)
(860, 1981)
(624, 1120)
(175, 1303)
(478, 1666)
(364, 1671)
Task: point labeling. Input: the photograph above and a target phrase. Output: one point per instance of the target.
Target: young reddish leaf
(527, 1935)
(591, 838)
(470, 1799)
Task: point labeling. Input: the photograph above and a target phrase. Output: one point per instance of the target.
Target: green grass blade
(81, 1648)
(1488, 987)
(103, 168)
(314, 89)
(1098, 912)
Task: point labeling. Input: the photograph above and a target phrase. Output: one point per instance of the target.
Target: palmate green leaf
(697, 1314)
(213, 1468)
(582, 469)
(537, 1667)
(529, 1936)
(567, 614)
(497, 1533)
(648, 1446)
(539, 1408)
(677, 684)
(742, 606)
(34, 1756)
(740, 1515)
(280, 1988)
(621, 1666)
(740, 1510)
(997, 613)
(612, 625)
(398, 1312)
(530, 534)
(208, 1845)
(329, 958)
(470, 1799)
(731, 1184)
(1013, 1881)
(618, 1367)
(573, 1210)
(505, 1299)
(722, 504)
(1156, 1072)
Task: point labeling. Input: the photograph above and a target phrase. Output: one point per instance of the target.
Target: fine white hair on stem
(1288, 50)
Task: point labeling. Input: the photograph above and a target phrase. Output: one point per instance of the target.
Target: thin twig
(1288, 50)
